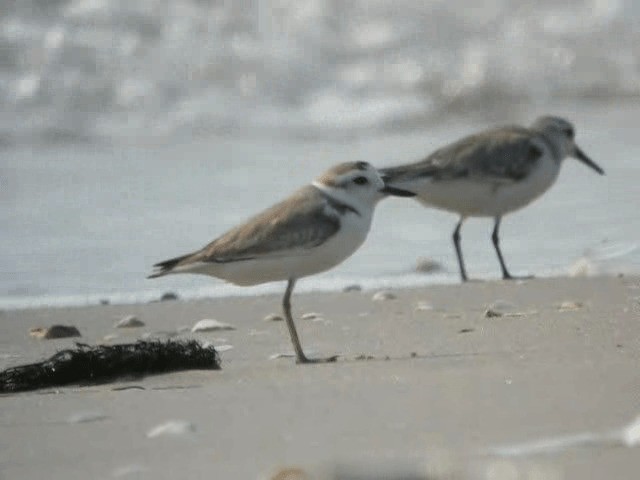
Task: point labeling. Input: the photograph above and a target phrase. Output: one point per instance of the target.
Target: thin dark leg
(286, 305)
(456, 243)
(495, 237)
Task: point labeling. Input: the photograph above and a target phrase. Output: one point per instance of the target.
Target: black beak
(396, 192)
(579, 154)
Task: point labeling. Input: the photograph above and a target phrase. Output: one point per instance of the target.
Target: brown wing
(297, 223)
(505, 154)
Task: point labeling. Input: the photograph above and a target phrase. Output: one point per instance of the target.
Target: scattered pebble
(130, 321)
(352, 288)
(104, 301)
(365, 357)
(490, 313)
(311, 316)
(414, 354)
(570, 306)
(290, 473)
(383, 295)
(466, 330)
(172, 428)
(208, 325)
(428, 265)
(168, 296)
(86, 417)
(423, 307)
(54, 331)
(273, 317)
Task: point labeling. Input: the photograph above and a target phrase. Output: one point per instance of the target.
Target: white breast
(296, 262)
(487, 197)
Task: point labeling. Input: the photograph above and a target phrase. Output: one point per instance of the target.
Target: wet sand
(426, 389)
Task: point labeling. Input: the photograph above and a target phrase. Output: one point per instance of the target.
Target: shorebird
(313, 230)
(491, 173)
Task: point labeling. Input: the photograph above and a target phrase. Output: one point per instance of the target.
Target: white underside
(485, 197)
(294, 263)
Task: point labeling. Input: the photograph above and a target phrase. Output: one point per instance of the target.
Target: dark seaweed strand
(101, 363)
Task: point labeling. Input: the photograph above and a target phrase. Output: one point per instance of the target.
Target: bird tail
(166, 267)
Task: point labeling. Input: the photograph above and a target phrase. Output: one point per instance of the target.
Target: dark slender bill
(580, 155)
(397, 192)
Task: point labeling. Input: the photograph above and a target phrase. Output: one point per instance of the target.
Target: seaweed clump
(104, 363)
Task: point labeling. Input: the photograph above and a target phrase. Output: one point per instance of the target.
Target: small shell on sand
(54, 331)
(110, 337)
(583, 267)
(631, 433)
(352, 288)
(290, 473)
(423, 307)
(383, 295)
(223, 348)
(311, 316)
(275, 356)
(86, 417)
(172, 428)
(129, 321)
(129, 471)
(570, 306)
(502, 306)
(491, 313)
(273, 317)
(427, 265)
(208, 325)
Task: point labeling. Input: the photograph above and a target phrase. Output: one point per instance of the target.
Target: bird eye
(360, 180)
(569, 132)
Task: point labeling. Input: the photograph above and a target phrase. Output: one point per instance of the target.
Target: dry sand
(442, 387)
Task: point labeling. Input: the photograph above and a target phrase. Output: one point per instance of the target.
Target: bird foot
(305, 360)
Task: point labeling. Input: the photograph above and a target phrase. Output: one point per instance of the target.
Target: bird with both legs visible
(491, 173)
(313, 230)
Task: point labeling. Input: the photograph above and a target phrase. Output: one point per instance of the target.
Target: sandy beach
(426, 383)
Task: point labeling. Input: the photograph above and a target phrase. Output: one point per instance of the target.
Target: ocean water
(131, 132)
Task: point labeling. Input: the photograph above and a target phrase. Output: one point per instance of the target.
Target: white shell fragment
(423, 307)
(275, 356)
(502, 306)
(273, 317)
(132, 470)
(631, 433)
(570, 306)
(130, 321)
(223, 348)
(208, 325)
(383, 295)
(172, 428)
(311, 316)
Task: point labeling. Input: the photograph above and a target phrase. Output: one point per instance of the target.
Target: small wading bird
(313, 230)
(491, 173)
